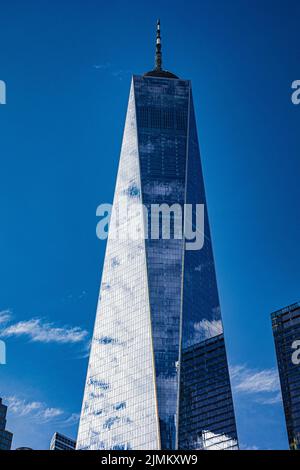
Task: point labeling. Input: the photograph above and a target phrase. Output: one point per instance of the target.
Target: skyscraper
(158, 375)
(61, 442)
(5, 436)
(286, 330)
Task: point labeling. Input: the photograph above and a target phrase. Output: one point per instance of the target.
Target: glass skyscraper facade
(61, 442)
(158, 374)
(286, 330)
(206, 412)
(5, 436)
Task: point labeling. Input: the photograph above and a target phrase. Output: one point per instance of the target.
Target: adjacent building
(206, 400)
(23, 448)
(158, 374)
(286, 330)
(61, 442)
(5, 436)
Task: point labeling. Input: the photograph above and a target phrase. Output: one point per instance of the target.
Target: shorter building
(61, 442)
(206, 414)
(5, 436)
(286, 330)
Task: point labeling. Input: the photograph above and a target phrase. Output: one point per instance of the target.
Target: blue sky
(67, 66)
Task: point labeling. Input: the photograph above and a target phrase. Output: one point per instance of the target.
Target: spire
(158, 70)
(158, 54)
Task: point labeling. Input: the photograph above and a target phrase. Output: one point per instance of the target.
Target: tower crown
(158, 70)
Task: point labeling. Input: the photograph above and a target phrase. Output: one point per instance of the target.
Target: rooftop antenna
(158, 70)
(158, 54)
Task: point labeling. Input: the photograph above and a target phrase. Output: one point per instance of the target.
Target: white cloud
(252, 381)
(72, 419)
(33, 422)
(85, 353)
(34, 410)
(103, 66)
(39, 331)
(115, 72)
(39, 411)
(120, 74)
(5, 316)
(50, 413)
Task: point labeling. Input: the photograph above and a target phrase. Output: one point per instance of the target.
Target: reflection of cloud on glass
(206, 329)
(208, 440)
(217, 312)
